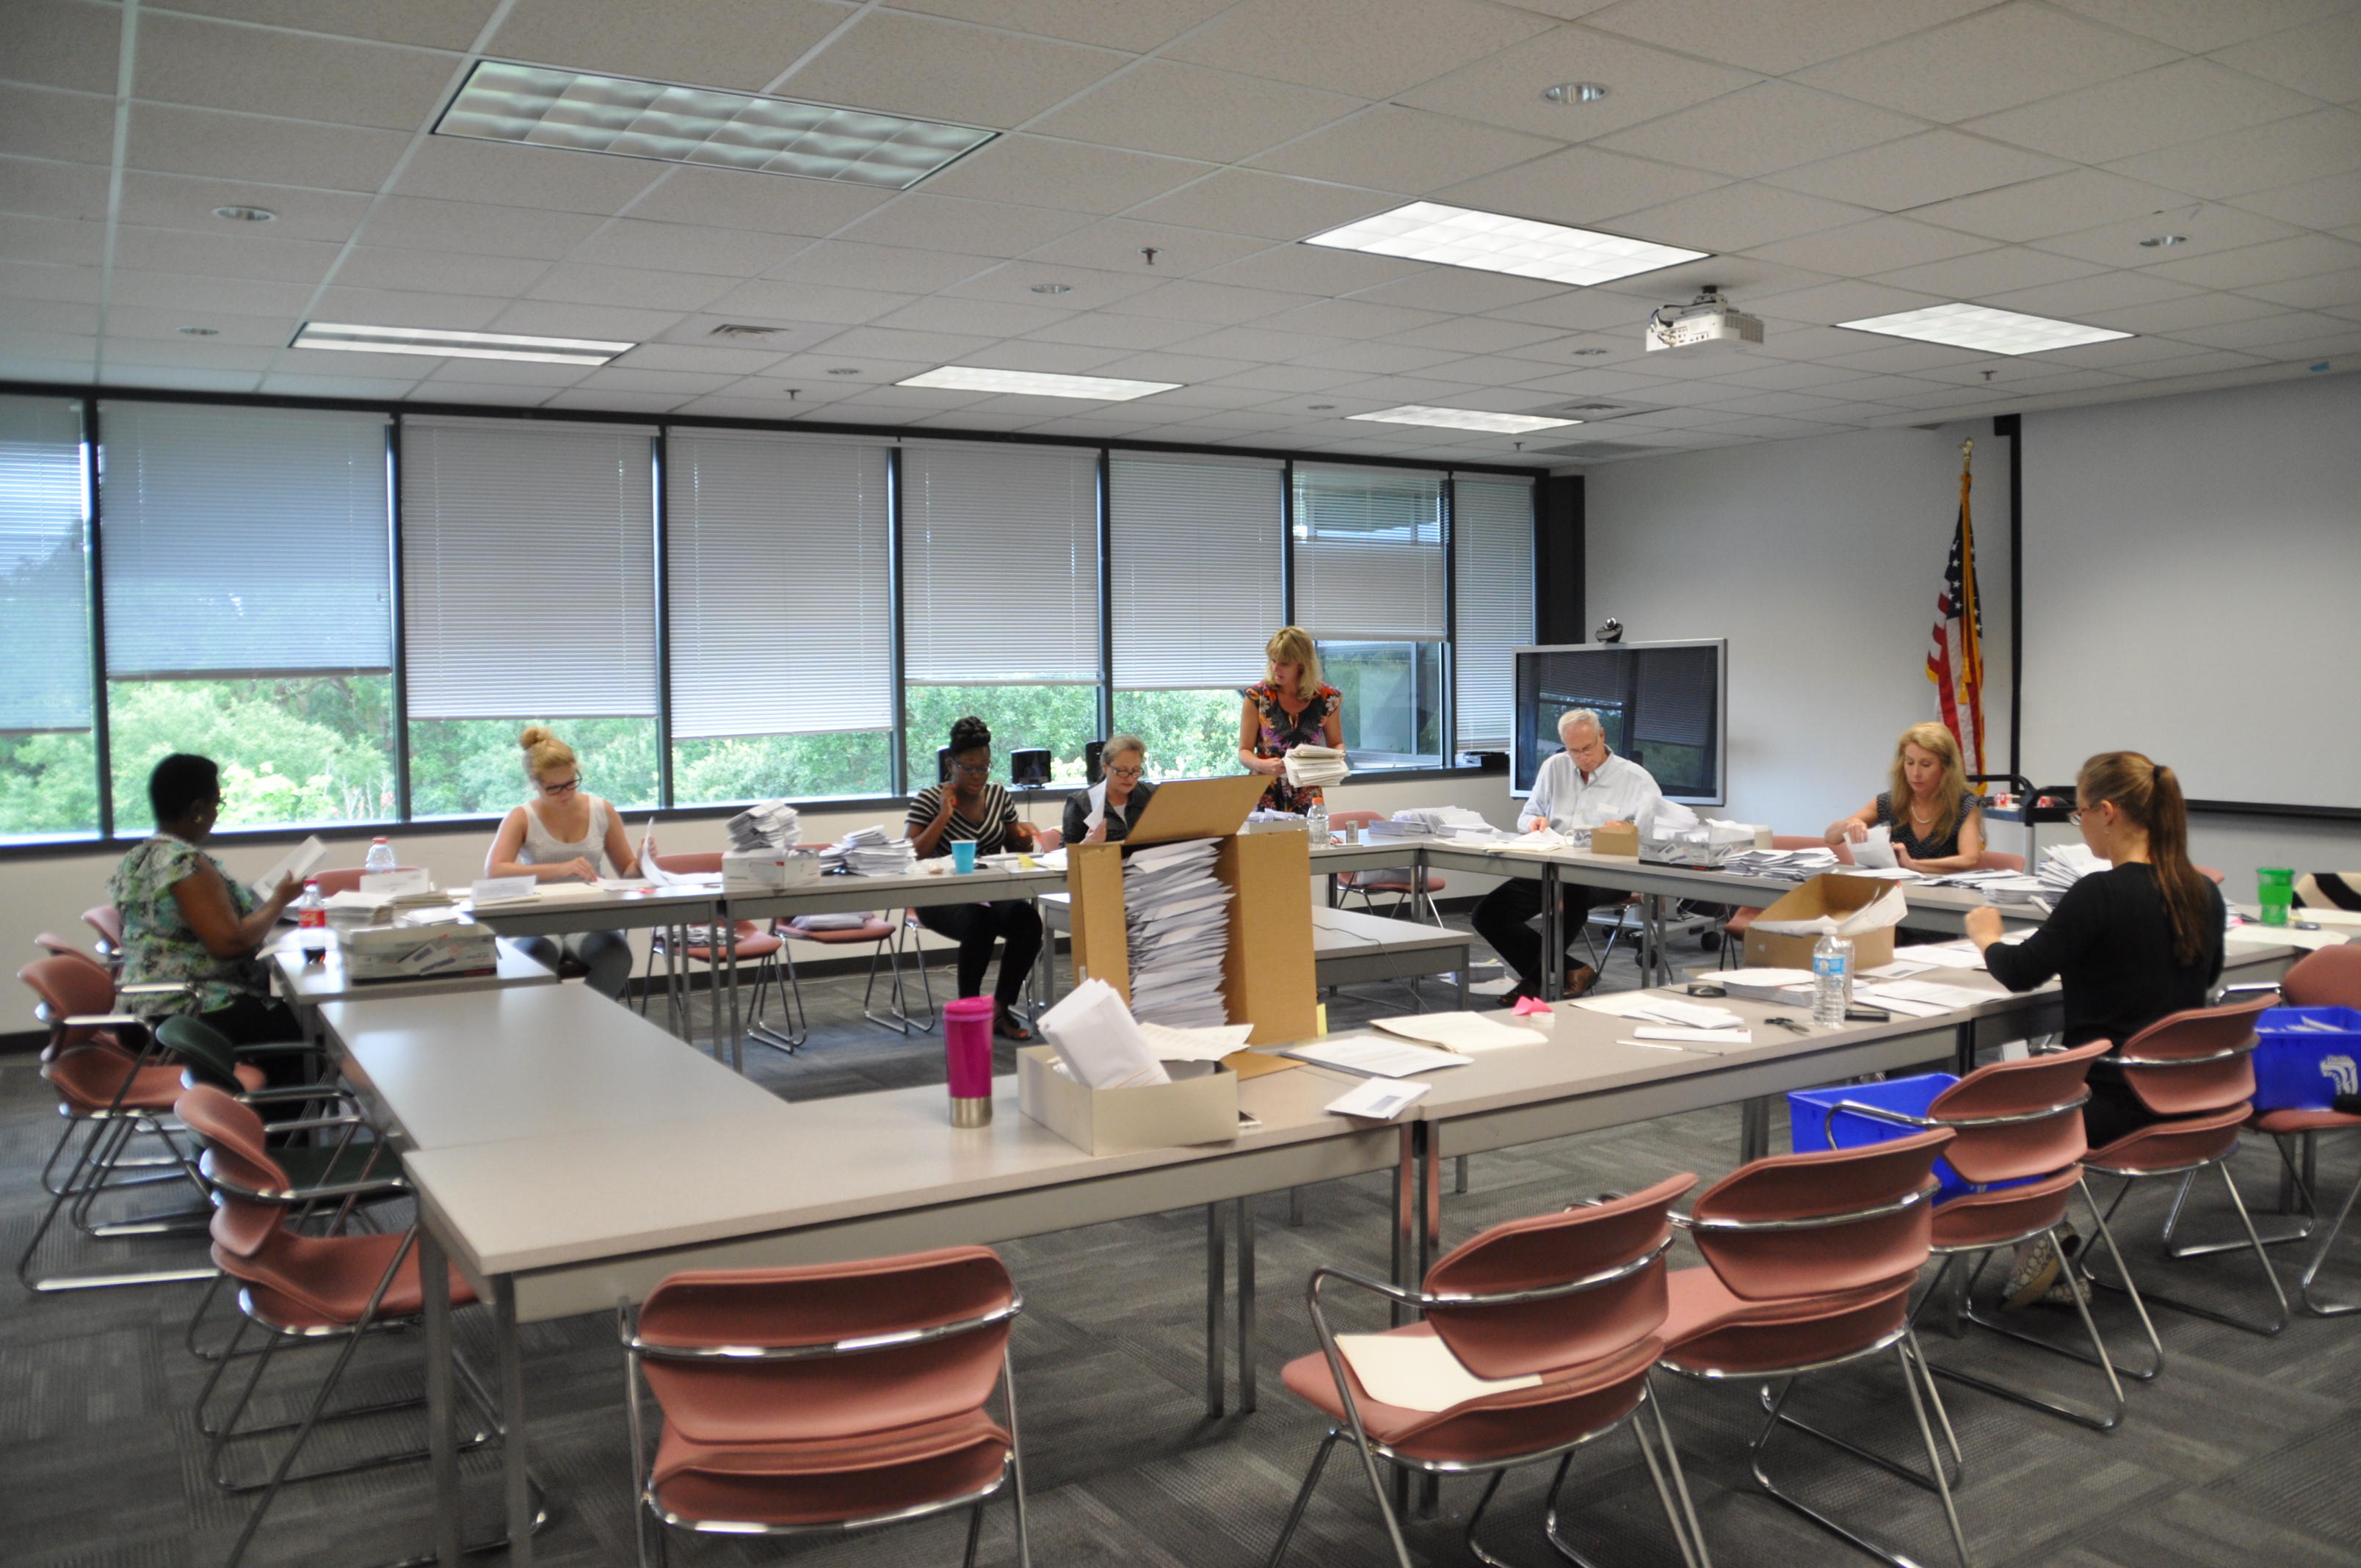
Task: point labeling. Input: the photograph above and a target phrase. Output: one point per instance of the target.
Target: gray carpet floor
(2247, 1450)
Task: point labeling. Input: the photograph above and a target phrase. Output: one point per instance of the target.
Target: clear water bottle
(1831, 980)
(311, 920)
(381, 856)
(1316, 819)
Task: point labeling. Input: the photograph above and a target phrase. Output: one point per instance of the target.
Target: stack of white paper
(866, 852)
(2063, 865)
(1786, 865)
(1094, 1035)
(1466, 1033)
(767, 824)
(1439, 819)
(1763, 984)
(1658, 1008)
(1178, 920)
(1312, 765)
(1401, 830)
(2015, 890)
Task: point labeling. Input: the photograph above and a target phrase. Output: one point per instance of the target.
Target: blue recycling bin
(2307, 1056)
(1812, 1115)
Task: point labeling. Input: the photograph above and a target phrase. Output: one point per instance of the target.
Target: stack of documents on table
(1787, 865)
(1403, 829)
(1309, 766)
(1441, 822)
(2063, 865)
(1374, 1056)
(866, 852)
(1766, 985)
(1463, 1033)
(767, 824)
(1976, 879)
(1178, 921)
(1919, 998)
(1669, 1021)
(1542, 840)
(2016, 889)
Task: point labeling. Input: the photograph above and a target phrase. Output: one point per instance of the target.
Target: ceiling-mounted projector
(1707, 321)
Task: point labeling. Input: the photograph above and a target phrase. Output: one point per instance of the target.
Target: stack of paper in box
(1443, 822)
(2063, 865)
(767, 824)
(866, 852)
(1787, 865)
(1309, 765)
(1177, 928)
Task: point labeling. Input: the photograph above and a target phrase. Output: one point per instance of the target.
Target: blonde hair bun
(535, 735)
(544, 751)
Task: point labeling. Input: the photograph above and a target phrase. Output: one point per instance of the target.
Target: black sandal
(1005, 1026)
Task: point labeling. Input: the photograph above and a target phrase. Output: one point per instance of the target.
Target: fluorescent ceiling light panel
(1488, 242)
(1465, 419)
(1986, 330)
(574, 109)
(457, 345)
(1037, 383)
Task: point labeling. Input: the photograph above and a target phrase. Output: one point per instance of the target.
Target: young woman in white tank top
(561, 837)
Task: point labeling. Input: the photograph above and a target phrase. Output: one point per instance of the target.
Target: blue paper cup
(962, 854)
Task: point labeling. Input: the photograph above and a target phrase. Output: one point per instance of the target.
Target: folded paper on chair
(1418, 1372)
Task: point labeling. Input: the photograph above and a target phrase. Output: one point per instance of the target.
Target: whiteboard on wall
(2193, 589)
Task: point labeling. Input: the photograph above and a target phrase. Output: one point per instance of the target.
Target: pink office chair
(754, 943)
(1576, 1299)
(107, 921)
(341, 879)
(1406, 885)
(825, 1399)
(1995, 860)
(1810, 1262)
(56, 946)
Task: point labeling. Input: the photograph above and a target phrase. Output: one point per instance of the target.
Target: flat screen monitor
(1659, 704)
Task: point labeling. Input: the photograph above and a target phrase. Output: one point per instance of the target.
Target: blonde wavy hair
(1931, 736)
(544, 752)
(1293, 645)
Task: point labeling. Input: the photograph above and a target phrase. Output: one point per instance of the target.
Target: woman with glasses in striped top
(970, 805)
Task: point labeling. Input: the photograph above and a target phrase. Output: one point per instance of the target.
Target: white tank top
(543, 848)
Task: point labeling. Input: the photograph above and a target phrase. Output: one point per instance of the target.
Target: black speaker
(1028, 767)
(942, 764)
(1094, 761)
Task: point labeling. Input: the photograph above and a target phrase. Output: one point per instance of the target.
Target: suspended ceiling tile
(1768, 126)
(1989, 272)
(1478, 334)
(1260, 343)
(219, 65)
(2266, 332)
(181, 291)
(686, 247)
(1136, 26)
(60, 241)
(845, 264)
(2097, 299)
(710, 356)
(1999, 57)
(2201, 25)
(1457, 290)
(1356, 319)
(2327, 290)
(2332, 204)
(730, 198)
(190, 353)
(2053, 204)
(1116, 244)
(1291, 381)
(1379, 359)
(1918, 171)
(39, 122)
(1042, 172)
(1580, 310)
(1087, 289)
(1772, 37)
(2322, 58)
(177, 378)
(74, 319)
(1175, 365)
(1195, 300)
(1880, 245)
(639, 288)
(1505, 89)
(980, 318)
(477, 228)
(2185, 101)
(1409, 151)
(2307, 147)
(297, 384)
(1582, 186)
(1058, 358)
(392, 307)
(1241, 201)
(1186, 111)
(2276, 262)
(182, 202)
(565, 318)
(906, 64)
(223, 255)
(510, 174)
(434, 24)
(974, 228)
(437, 271)
(1366, 48)
(60, 43)
(2170, 314)
(1309, 269)
(2202, 229)
(635, 379)
(735, 44)
(171, 140)
(1738, 218)
(44, 188)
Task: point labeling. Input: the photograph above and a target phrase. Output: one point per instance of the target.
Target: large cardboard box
(1267, 975)
(1201, 1110)
(1845, 897)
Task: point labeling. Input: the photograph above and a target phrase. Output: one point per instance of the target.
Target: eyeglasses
(972, 770)
(1125, 773)
(2075, 817)
(568, 787)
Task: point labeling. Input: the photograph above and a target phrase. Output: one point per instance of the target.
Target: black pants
(260, 1021)
(975, 926)
(1503, 918)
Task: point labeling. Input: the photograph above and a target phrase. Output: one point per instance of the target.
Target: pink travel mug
(967, 1047)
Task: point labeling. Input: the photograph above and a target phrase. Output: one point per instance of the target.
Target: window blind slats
(44, 575)
(1196, 570)
(1369, 554)
(244, 542)
(779, 573)
(528, 569)
(1000, 565)
(1492, 532)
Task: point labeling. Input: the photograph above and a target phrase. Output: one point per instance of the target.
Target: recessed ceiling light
(201, 330)
(1464, 419)
(1053, 287)
(457, 345)
(1588, 353)
(846, 370)
(698, 124)
(1983, 328)
(1489, 242)
(245, 215)
(1575, 92)
(1038, 383)
(2155, 241)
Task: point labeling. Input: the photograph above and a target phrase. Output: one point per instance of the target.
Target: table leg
(442, 1450)
(1552, 937)
(1405, 1215)
(1964, 1049)
(1429, 1229)
(1246, 1346)
(1655, 971)
(1215, 1290)
(1754, 1129)
(1295, 1205)
(516, 1484)
(729, 957)
(1461, 1003)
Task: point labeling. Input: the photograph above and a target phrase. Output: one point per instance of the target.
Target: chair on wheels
(826, 1400)
(2196, 1069)
(1560, 1312)
(1810, 1262)
(1409, 887)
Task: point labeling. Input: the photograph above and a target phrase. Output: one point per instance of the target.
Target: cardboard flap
(1196, 808)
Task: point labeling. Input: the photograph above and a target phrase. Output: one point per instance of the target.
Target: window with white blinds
(1492, 534)
(528, 568)
(1196, 570)
(1000, 565)
(780, 577)
(44, 570)
(244, 542)
(1369, 554)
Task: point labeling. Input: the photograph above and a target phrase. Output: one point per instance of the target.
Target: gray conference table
(309, 987)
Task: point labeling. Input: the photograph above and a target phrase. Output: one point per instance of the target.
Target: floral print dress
(157, 942)
(1283, 731)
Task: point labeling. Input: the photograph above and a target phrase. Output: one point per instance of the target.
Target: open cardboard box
(1621, 839)
(1844, 897)
(1266, 976)
(1200, 1110)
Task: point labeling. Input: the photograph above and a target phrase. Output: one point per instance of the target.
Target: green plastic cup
(2275, 892)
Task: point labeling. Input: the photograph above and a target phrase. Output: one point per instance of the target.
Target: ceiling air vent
(745, 329)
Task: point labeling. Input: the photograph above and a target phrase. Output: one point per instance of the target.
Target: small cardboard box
(1202, 1110)
(1841, 896)
(1623, 840)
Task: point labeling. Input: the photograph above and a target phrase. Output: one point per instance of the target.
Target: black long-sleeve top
(1118, 818)
(2109, 944)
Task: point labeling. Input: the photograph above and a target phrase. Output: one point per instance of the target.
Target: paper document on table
(1540, 841)
(1379, 1100)
(1948, 954)
(1934, 991)
(1761, 984)
(501, 889)
(1900, 969)
(1662, 1010)
(298, 862)
(625, 884)
(1418, 1372)
(2281, 937)
(1908, 1006)
(1466, 1033)
(1696, 1036)
(1194, 1044)
(1372, 1056)
(1876, 851)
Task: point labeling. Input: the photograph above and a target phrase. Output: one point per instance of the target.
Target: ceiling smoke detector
(245, 215)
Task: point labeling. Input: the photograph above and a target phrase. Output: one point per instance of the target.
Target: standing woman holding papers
(559, 837)
(1103, 813)
(1288, 709)
(1935, 824)
(971, 807)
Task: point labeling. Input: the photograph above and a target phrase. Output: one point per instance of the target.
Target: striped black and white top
(994, 816)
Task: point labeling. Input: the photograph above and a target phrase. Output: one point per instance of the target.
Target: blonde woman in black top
(970, 805)
(1935, 824)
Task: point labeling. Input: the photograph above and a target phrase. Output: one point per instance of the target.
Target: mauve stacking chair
(1574, 1298)
(827, 1399)
(1810, 1262)
(2195, 1070)
(107, 921)
(1406, 885)
(751, 943)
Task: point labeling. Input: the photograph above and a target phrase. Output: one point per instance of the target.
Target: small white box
(1201, 1110)
(396, 881)
(768, 871)
(414, 953)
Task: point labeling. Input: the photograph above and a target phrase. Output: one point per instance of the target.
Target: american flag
(1955, 660)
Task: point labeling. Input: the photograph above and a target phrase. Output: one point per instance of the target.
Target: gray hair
(1573, 715)
(1119, 744)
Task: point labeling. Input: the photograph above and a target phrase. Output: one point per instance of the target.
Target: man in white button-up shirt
(1585, 786)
